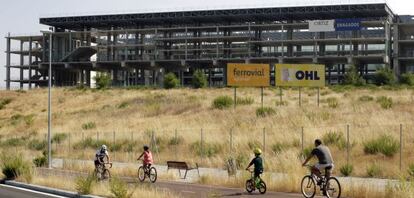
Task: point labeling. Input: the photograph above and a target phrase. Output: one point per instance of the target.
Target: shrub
(103, 80)
(374, 170)
(384, 76)
(411, 170)
(407, 79)
(83, 185)
(281, 103)
(244, 101)
(119, 188)
(15, 119)
(366, 98)
(4, 102)
(265, 111)
(13, 142)
(352, 77)
(123, 105)
(29, 119)
(37, 145)
(279, 147)
(385, 102)
(171, 81)
(176, 140)
(334, 138)
(59, 138)
(346, 170)
(385, 144)
(332, 103)
(90, 143)
(206, 149)
(199, 79)
(41, 160)
(222, 102)
(89, 125)
(13, 166)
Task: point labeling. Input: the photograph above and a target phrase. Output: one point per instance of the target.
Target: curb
(48, 190)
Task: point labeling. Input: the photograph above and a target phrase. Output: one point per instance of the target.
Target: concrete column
(108, 48)
(30, 61)
(322, 46)
(82, 77)
(21, 64)
(289, 36)
(8, 56)
(115, 77)
(396, 50)
(88, 78)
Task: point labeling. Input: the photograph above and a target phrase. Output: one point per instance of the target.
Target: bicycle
(330, 187)
(252, 185)
(147, 171)
(102, 172)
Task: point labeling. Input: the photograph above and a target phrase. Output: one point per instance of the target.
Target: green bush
(279, 147)
(346, 170)
(333, 102)
(281, 103)
(222, 102)
(244, 101)
(171, 81)
(103, 80)
(13, 142)
(37, 145)
(334, 138)
(385, 144)
(176, 140)
(29, 119)
(384, 76)
(89, 125)
(407, 79)
(119, 188)
(366, 98)
(4, 102)
(13, 166)
(90, 143)
(265, 111)
(374, 170)
(352, 77)
(206, 149)
(41, 160)
(199, 79)
(84, 185)
(385, 102)
(411, 170)
(15, 119)
(123, 105)
(59, 137)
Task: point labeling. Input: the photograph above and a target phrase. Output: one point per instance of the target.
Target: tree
(352, 77)
(170, 81)
(103, 80)
(384, 76)
(199, 79)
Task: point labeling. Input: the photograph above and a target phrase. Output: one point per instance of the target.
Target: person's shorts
(258, 173)
(322, 167)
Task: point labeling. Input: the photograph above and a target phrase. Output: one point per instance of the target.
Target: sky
(21, 17)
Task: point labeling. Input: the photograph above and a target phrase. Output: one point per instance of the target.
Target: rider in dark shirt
(257, 162)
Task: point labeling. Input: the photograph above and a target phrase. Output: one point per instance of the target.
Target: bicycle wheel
(308, 186)
(141, 173)
(97, 174)
(153, 174)
(333, 188)
(262, 187)
(106, 174)
(250, 186)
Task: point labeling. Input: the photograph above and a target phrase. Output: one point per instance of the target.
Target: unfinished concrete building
(138, 49)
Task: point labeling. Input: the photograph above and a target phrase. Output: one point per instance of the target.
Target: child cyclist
(257, 161)
(147, 161)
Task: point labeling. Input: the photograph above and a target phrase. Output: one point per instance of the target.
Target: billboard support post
(300, 96)
(262, 95)
(280, 94)
(235, 97)
(318, 96)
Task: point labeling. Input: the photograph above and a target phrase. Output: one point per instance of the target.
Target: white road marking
(30, 191)
(185, 191)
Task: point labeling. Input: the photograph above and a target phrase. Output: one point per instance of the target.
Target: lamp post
(49, 106)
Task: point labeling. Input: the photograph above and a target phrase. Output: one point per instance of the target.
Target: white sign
(322, 26)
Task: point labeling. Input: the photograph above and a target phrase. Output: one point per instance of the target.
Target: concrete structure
(138, 49)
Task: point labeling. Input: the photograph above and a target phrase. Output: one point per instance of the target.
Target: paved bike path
(13, 192)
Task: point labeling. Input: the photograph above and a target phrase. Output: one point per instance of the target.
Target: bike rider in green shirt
(257, 161)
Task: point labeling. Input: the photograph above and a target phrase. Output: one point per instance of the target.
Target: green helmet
(257, 151)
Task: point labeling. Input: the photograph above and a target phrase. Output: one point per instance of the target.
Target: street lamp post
(49, 99)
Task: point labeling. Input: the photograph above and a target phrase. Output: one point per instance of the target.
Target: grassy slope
(187, 111)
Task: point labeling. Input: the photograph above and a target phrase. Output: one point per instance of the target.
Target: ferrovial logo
(242, 73)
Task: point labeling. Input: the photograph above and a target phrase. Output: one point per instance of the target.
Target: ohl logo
(307, 75)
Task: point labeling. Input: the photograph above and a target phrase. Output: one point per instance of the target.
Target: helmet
(146, 147)
(257, 151)
(104, 147)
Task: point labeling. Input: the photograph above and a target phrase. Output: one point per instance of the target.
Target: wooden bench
(181, 166)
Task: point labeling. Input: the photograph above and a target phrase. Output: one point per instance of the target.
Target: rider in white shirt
(100, 156)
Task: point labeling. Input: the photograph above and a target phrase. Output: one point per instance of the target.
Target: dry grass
(135, 114)
(102, 188)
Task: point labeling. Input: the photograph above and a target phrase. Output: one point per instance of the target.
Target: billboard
(322, 26)
(347, 24)
(300, 75)
(248, 75)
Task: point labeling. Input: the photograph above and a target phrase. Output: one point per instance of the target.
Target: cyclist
(325, 160)
(257, 161)
(100, 156)
(148, 161)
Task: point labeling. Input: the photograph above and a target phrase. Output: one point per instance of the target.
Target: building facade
(138, 49)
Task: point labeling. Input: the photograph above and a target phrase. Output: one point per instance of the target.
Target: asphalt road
(13, 192)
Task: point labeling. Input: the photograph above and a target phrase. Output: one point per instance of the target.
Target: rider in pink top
(148, 161)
